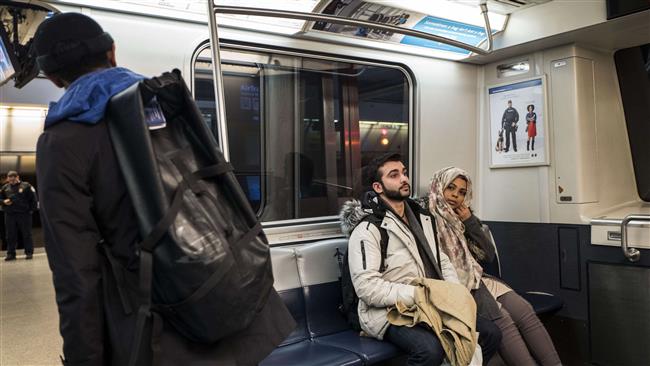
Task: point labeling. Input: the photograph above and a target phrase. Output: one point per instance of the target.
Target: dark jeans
(511, 131)
(489, 337)
(15, 224)
(420, 343)
(424, 348)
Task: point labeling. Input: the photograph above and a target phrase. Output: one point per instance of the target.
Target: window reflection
(300, 129)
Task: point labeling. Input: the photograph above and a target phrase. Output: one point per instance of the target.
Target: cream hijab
(451, 231)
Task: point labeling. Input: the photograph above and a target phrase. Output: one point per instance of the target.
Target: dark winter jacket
(22, 196)
(85, 202)
(510, 116)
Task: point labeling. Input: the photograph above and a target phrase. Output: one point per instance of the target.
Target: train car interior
(305, 93)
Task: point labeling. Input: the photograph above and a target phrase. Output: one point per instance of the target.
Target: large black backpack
(349, 299)
(205, 265)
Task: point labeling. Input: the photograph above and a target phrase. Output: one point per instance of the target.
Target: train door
(619, 276)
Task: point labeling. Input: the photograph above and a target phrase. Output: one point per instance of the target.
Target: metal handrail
(218, 82)
(632, 254)
(274, 13)
(214, 46)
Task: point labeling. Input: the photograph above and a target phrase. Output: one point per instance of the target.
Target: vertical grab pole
(488, 28)
(218, 82)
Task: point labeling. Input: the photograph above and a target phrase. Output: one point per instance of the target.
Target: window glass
(300, 129)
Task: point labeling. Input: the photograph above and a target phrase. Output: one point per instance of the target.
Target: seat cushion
(309, 353)
(543, 303)
(369, 349)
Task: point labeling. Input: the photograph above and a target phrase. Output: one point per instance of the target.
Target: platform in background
(29, 321)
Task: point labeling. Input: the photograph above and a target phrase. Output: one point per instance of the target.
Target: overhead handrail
(214, 45)
(632, 254)
(314, 17)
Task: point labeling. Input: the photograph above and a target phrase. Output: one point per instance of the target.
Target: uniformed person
(18, 203)
(509, 124)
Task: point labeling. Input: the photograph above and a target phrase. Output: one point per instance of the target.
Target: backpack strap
(383, 241)
(384, 247)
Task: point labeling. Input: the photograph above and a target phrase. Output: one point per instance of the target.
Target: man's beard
(397, 194)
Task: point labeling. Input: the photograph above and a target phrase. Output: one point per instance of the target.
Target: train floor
(29, 321)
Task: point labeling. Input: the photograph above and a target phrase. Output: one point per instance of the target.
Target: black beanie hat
(64, 39)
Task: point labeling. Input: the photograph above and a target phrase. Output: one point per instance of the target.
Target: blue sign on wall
(515, 86)
(462, 32)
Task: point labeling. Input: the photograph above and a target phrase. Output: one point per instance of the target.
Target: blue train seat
(307, 279)
(319, 272)
(543, 303)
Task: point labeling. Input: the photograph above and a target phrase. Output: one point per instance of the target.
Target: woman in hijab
(525, 340)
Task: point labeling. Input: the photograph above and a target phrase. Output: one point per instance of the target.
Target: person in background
(85, 205)
(509, 124)
(19, 202)
(531, 127)
(525, 340)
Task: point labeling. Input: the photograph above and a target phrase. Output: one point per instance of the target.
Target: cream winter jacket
(379, 290)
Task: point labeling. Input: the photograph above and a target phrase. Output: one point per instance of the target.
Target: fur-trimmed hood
(354, 211)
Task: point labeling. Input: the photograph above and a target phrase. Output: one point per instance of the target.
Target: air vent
(515, 3)
(511, 6)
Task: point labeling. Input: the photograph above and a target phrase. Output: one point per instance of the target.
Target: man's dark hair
(372, 169)
(70, 45)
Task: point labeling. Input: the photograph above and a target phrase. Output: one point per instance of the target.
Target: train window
(300, 128)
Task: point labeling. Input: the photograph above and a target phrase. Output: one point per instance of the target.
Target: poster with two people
(518, 133)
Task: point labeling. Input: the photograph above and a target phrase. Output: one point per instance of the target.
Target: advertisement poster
(372, 12)
(518, 128)
(466, 33)
(379, 13)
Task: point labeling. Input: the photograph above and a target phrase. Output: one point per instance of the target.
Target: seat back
(493, 268)
(318, 268)
(542, 303)
(287, 284)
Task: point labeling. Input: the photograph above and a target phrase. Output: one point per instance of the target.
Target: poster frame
(545, 125)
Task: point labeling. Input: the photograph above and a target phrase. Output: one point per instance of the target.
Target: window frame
(321, 222)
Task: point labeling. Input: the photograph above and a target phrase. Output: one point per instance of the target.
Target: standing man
(509, 124)
(411, 252)
(18, 203)
(85, 207)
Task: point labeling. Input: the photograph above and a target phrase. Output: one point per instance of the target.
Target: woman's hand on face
(463, 212)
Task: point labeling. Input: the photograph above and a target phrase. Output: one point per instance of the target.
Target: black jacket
(22, 196)
(510, 116)
(83, 200)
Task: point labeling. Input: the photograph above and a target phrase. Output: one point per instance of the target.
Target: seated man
(411, 252)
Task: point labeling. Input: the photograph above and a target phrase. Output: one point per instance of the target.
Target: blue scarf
(85, 99)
